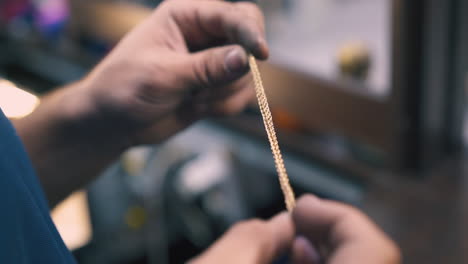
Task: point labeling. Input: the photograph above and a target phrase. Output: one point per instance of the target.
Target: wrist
(66, 142)
(83, 119)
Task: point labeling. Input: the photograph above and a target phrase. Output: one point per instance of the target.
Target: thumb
(250, 242)
(218, 66)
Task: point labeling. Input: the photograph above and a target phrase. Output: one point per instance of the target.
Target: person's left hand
(252, 242)
(188, 60)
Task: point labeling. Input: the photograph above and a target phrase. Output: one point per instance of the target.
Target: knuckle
(203, 74)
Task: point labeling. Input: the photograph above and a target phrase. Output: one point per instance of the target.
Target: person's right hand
(334, 233)
(186, 61)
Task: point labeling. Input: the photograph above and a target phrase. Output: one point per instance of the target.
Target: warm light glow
(73, 221)
(15, 102)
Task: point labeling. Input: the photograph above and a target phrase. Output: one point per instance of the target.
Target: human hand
(342, 235)
(251, 242)
(186, 61)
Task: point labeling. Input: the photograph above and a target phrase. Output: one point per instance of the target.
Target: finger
(252, 241)
(215, 94)
(352, 236)
(234, 103)
(303, 252)
(254, 12)
(202, 22)
(191, 111)
(282, 235)
(318, 218)
(217, 66)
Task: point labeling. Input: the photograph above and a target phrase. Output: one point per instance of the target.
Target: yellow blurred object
(134, 160)
(15, 102)
(354, 60)
(135, 217)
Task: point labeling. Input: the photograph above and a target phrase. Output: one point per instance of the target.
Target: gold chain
(270, 129)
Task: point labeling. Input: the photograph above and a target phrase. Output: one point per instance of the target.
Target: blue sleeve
(27, 233)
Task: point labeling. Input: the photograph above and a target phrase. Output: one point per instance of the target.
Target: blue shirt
(27, 233)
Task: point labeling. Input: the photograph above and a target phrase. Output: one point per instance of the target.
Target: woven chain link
(270, 129)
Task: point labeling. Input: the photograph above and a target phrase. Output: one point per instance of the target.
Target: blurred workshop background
(368, 97)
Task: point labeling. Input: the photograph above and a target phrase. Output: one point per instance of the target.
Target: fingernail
(236, 61)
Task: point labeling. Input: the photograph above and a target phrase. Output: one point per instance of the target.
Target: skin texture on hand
(188, 60)
(335, 233)
(252, 242)
(318, 231)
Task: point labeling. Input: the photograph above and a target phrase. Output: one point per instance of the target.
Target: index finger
(205, 21)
